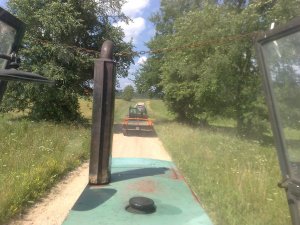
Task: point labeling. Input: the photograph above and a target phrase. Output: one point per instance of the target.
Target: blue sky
(140, 30)
(3, 3)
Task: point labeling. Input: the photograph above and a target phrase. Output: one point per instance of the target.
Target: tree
(128, 93)
(57, 34)
(219, 78)
(149, 77)
(215, 79)
(147, 80)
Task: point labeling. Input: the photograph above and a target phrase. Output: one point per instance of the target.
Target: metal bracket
(291, 185)
(13, 60)
(284, 182)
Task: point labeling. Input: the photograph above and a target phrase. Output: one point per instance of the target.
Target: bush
(128, 93)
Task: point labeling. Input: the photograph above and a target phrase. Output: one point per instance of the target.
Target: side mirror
(11, 34)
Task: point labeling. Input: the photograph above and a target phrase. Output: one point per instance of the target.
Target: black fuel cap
(141, 205)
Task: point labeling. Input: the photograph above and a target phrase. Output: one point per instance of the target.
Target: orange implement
(137, 124)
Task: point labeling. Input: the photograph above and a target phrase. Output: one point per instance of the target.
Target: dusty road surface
(138, 145)
(54, 208)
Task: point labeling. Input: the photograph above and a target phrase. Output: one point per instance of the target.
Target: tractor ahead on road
(137, 119)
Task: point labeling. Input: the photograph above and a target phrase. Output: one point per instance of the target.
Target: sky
(3, 3)
(139, 30)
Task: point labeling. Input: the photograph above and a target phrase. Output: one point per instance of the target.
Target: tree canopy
(128, 93)
(210, 68)
(57, 36)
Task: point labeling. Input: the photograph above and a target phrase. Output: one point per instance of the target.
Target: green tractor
(138, 111)
(137, 120)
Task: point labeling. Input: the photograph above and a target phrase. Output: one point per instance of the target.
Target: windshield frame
(289, 182)
(265, 38)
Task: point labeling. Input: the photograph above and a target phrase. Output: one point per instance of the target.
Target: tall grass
(157, 110)
(33, 156)
(234, 178)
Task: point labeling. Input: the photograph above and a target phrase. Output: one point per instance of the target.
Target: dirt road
(54, 208)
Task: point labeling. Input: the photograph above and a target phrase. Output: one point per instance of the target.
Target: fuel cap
(141, 205)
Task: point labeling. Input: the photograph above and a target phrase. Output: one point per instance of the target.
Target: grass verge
(234, 178)
(33, 156)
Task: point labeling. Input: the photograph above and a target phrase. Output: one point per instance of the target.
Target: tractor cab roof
(140, 104)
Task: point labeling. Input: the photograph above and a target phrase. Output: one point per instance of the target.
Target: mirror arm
(13, 60)
(15, 75)
(6, 57)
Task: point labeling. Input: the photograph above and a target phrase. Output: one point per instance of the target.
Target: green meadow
(33, 157)
(234, 178)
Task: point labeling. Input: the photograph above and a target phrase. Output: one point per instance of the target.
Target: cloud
(142, 60)
(134, 8)
(133, 29)
(123, 82)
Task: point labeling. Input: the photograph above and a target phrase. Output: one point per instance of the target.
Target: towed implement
(137, 120)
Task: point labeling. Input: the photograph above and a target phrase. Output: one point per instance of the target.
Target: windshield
(7, 36)
(283, 66)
